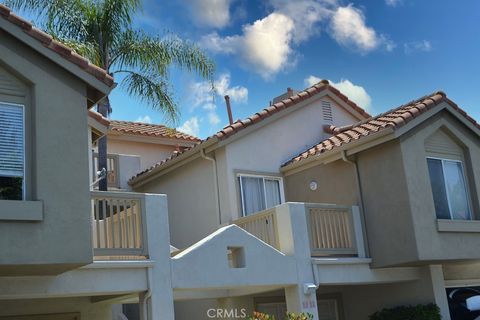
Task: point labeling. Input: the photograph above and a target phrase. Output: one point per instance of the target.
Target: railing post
(294, 240)
(160, 303)
(358, 230)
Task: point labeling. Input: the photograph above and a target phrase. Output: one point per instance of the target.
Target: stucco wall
(191, 201)
(359, 302)
(83, 305)
(190, 188)
(150, 153)
(432, 244)
(57, 167)
(389, 224)
(336, 183)
(267, 148)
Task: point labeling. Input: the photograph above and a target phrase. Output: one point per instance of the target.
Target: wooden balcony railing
(112, 169)
(118, 224)
(331, 230)
(263, 225)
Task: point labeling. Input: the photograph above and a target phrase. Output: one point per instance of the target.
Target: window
(259, 193)
(12, 166)
(449, 189)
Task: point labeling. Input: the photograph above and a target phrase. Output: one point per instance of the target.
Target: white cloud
(191, 126)
(417, 46)
(236, 93)
(354, 92)
(393, 3)
(311, 80)
(306, 15)
(268, 45)
(264, 45)
(209, 13)
(213, 118)
(204, 96)
(349, 29)
(144, 119)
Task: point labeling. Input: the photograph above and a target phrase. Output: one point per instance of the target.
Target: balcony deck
(332, 230)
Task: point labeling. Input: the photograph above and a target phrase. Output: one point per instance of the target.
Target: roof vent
(327, 111)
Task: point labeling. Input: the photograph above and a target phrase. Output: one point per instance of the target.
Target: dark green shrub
(418, 312)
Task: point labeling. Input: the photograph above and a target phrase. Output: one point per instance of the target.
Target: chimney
(229, 109)
(289, 92)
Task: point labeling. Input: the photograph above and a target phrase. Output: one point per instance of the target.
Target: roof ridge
(391, 118)
(266, 112)
(56, 46)
(150, 129)
(144, 123)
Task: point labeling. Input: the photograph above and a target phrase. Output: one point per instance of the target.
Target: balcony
(120, 168)
(119, 222)
(327, 230)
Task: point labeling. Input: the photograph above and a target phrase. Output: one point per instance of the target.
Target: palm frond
(137, 50)
(153, 90)
(85, 49)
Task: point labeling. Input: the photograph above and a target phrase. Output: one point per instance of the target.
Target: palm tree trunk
(104, 109)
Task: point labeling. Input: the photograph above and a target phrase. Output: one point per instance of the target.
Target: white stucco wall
(191, 201)
(266, 149)
(150, 153)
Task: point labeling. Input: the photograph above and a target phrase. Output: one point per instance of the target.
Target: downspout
(360, 196)
(215, 181)
(148, 294)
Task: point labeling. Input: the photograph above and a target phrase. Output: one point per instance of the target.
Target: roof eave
(96, 87)
(146, 177)
(335, 154)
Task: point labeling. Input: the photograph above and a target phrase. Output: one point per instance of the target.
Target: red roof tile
(394, 118)
(265, 113)
(56, 46)
(151, 130)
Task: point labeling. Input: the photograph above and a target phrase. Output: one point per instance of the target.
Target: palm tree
(102, 31)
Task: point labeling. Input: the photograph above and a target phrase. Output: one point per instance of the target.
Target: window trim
(465, 183)
(24, 177)
(263, 176)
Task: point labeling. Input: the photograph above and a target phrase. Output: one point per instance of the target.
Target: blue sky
(381, 53)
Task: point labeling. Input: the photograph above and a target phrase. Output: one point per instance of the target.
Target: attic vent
(327, 112)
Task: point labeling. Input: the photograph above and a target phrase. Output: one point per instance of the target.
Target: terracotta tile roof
(287, 103)
(394, 119)
(147, 129)
(263, 114)
(98, 117)
(47, 41)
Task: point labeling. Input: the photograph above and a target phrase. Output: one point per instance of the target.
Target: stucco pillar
(298, 301)
(293, 230)
(159, 300)
(439, 293)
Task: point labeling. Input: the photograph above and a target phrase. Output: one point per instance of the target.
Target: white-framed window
(449, 189)
(258, 192)
(12, 151)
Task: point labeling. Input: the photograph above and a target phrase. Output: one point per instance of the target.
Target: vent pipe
(289, 92)
(229, 109)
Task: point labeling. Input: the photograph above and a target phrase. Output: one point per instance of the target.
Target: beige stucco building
(310, 205)
(380, 228)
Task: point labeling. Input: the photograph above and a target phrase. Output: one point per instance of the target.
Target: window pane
(272, 189)
(456, 189)
(252, 195)
(438, 188)
(11, 188)
(11, 140)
